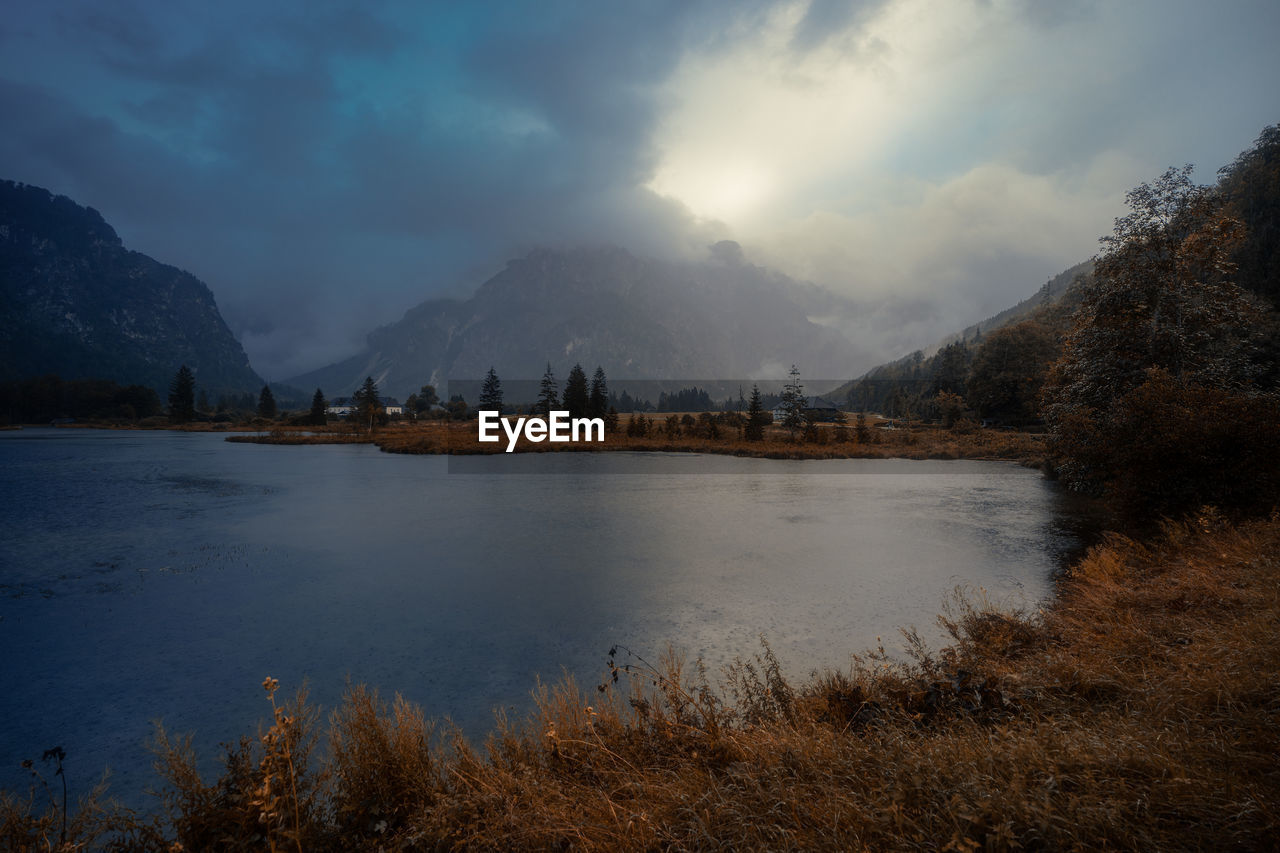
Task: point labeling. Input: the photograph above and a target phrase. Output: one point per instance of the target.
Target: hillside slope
(78, 304)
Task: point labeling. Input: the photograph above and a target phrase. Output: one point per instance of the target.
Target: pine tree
(598, 404)
(182, 396)
(366, 404)
(548, 396)
(318, 416)
(576, 397)
(793, 402)
(754, 430)
(267, 404)
(491, 392)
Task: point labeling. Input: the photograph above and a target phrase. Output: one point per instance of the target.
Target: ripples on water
(163, 575)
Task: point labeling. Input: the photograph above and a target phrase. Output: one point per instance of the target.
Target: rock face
(637, 318)
(78, 304)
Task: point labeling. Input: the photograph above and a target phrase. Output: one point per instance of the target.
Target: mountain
(1062, 289)
(638, 318)
(78, 304)
(921, 370)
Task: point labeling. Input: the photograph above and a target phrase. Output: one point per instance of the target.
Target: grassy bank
(917, 443)
(277, 436)
(443, 437)
(1138, 711)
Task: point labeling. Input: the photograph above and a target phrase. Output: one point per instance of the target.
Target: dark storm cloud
(324, 167)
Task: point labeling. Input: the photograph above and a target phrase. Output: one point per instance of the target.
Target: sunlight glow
(764, 132)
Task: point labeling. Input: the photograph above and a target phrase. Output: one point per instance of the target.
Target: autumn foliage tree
(1162, 341)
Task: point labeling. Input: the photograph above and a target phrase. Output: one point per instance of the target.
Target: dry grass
(1138, 712)
(277, 436)
(918, 443)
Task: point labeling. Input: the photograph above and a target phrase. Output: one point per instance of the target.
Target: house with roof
(816, 408)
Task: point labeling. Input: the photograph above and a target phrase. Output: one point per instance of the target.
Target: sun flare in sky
(934, 161)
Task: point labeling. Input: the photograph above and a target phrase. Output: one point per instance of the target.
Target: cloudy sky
(325, 166)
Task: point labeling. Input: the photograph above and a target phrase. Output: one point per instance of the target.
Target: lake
(163, 575)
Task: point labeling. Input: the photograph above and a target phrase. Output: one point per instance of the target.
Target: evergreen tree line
(47, 398)
(599, 398)
(188, 403)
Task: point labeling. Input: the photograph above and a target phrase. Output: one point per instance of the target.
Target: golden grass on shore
(1138, 711)
(917, 443)
(445, 437)
(278, 436)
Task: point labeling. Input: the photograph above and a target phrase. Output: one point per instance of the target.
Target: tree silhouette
(598, 401)
(182, 396)
(756, 416)
(548, 395)
(365, 404)
(319, 415)
(491, 392)
(576, 397)
(421, 403)
(793, 402)
(267, 404)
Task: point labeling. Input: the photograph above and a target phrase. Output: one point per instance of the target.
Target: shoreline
(919, 443)
(439, 438)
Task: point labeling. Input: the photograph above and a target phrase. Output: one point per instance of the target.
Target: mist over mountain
(1060, 289)
(638, 318)
(78, 304)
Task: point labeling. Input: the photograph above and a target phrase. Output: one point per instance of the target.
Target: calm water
(159, 575)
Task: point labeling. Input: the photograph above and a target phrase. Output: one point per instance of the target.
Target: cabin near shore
(818, 409)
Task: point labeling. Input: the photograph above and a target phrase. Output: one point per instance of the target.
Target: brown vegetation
(1136, 712)
(303, 436)
(915, 443)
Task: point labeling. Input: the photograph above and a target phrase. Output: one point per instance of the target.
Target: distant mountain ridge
(78, 304)
(1061, 289)
(638, 318)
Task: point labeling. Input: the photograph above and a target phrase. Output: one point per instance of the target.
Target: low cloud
(325, 166)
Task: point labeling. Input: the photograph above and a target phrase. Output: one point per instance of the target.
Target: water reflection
(148, 575)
